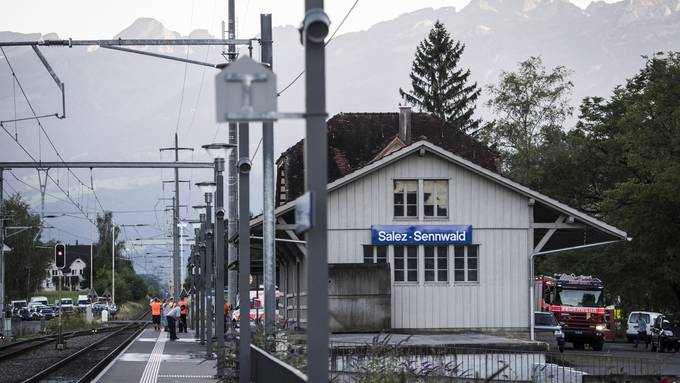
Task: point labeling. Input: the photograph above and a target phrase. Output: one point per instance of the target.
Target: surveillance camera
(220, 213)
(315, 26)
(244, 166)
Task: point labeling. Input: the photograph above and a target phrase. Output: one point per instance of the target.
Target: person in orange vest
(156, 314)
(184, 310)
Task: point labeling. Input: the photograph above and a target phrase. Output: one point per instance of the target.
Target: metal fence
(364, 363)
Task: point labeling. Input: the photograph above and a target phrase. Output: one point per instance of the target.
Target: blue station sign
(421, 234)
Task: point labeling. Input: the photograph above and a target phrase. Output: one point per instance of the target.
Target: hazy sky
(80, 19)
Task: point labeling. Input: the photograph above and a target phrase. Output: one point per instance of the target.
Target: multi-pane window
(406, 263)
(466, 263)
(375, 254)
(405, 198)
(435, 198)
(436, 263)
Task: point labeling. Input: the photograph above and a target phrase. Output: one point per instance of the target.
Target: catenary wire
(35, 115)
(302, 72)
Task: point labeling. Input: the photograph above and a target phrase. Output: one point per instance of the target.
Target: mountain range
(123, 106)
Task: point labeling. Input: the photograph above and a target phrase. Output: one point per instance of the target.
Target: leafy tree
(129, 285)
(439, 86)
(27, 264)
(531, 105)
(629, 161)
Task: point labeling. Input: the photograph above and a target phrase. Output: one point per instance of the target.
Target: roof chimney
(405, 124)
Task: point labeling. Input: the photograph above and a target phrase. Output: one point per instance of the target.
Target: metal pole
(113, 262)
(91, 262)
(2, 252)
(268, 219)
(219, 265)
(232, 180)
(244, 254)
(209, 254)
(201, 300)
(316, 178)
(175, 229)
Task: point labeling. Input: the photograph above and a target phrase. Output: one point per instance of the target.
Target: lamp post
(200, 261)
(219, 152)
(208, 188)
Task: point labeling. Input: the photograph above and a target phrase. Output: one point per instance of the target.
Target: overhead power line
(49, 139)
(303, 71)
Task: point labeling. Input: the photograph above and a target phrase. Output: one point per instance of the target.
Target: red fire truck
(578, 304)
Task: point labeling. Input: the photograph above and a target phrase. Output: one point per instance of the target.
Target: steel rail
(41, 341)
(97, 368)
(56, 366)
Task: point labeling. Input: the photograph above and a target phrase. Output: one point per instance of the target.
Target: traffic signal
(60, 255)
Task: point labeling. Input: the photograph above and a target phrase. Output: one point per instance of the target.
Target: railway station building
(424, 233)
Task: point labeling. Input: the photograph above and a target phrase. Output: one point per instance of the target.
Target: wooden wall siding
(500, 220)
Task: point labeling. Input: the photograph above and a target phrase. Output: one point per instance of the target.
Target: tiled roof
(355, 139)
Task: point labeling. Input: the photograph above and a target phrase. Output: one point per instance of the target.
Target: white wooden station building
(457, 237)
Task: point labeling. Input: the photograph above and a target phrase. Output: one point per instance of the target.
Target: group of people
(169, 316)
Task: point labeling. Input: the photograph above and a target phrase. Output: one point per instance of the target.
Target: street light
(219, 151)
(206, 187)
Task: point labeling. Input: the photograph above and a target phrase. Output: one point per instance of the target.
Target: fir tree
(439, 85)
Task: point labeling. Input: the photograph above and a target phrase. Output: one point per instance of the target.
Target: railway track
(86, 354)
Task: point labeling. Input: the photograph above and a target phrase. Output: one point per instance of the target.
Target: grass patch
(130, 310)
(71, 322)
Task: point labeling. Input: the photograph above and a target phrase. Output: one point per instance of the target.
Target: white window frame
(405, 204)
(436, 264)
(448, 199)
(405, 268)
(466, 269)
(374, 253)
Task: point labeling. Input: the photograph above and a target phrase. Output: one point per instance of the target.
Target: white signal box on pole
(245, 91)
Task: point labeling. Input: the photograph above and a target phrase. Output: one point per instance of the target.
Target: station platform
(152, 358)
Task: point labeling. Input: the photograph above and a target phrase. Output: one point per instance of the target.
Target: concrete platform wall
(359, 297)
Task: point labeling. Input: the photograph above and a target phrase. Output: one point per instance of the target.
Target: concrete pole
(268, 229)
(316, 179)
(209, 254)
(244, 252)
(232, 180)
(219, 265)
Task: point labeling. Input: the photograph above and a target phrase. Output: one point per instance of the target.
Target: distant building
(74, 274)
(424, 233)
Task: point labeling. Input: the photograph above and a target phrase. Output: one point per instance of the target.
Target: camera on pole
(60, 255)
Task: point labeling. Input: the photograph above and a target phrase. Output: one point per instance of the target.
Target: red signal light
(60, 255)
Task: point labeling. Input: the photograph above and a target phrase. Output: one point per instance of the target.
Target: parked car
(548, 330)
(17, 305)
(48, 313)
(664, 335)
(633, 317)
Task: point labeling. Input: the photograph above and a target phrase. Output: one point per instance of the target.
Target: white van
(633, 317)
(82, 302)
(67, 305)
(41, 300)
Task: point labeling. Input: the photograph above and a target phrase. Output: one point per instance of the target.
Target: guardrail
(351, 362)
(265, 368)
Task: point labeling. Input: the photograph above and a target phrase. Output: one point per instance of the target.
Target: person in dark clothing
(172, 316)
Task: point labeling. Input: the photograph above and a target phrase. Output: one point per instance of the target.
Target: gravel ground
(24, 366)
